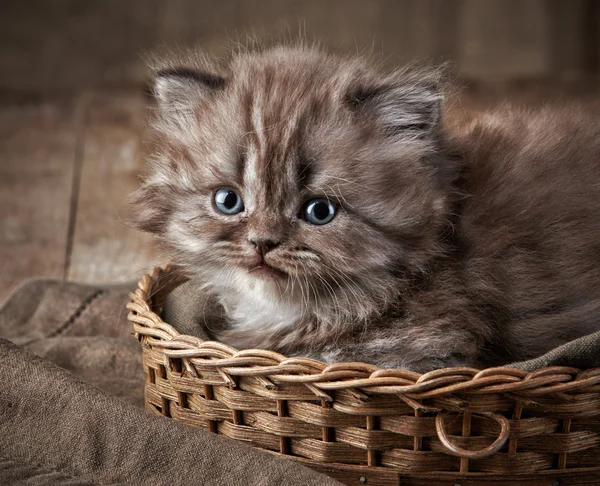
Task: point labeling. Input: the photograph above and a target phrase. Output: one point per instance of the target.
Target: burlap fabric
(184, 311)
(81, 422)
(65, 380)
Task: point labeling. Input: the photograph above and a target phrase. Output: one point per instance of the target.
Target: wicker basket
(360, 424)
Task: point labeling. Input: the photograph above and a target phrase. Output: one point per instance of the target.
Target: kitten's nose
(263, 245)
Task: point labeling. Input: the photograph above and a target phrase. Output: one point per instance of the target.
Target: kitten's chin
(267, 272)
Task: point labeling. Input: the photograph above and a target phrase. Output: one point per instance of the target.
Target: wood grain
(69, 45)
(37, 154)
(503, 39)
(104, 248)
(567, 23)
(398, 31)
(66, 45)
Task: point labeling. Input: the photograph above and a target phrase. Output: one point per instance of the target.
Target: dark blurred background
(64, 45)
(72, 104)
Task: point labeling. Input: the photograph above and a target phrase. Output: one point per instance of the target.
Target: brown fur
(477, 247)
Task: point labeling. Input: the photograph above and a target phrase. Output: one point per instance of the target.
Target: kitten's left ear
(181, 88)
(408, 108)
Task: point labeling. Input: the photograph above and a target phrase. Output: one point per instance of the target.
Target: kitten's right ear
(405, 107)
(180, 89)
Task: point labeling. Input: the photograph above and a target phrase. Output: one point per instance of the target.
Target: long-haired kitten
(326, 211)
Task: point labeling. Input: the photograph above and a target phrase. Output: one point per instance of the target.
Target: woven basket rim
(321, 378)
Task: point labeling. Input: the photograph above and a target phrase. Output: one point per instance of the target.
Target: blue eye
(319, 211)
(228, 201)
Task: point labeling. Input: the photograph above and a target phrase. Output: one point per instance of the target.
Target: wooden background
(72, 104)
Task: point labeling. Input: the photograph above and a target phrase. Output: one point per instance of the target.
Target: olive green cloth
(71, 424)
(184, 311)
(582, 353)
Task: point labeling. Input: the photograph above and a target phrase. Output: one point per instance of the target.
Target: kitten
(327, 211)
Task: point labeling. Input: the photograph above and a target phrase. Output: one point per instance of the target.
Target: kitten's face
(297, 172)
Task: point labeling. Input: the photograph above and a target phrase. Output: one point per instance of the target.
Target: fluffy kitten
(326, 211)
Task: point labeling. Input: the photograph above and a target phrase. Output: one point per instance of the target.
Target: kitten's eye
(228, 201)
(319, 211)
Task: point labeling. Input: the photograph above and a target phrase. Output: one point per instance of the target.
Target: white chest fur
(253, 306)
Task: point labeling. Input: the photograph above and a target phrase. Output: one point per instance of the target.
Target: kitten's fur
(477, 246)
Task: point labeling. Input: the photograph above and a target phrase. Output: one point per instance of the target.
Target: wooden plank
(503, 39)
(187, 23)
(350, 25)
(567, 21)
(23, 50)
(104, 248)
(398, 31)
(67, 45)
(37, 153)
(419, 30)
(591, 38)
(346, 25)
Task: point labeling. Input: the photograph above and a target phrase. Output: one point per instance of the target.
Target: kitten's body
(477, 246)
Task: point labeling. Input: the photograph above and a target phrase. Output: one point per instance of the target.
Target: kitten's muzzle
(263, 246)
(260, 266)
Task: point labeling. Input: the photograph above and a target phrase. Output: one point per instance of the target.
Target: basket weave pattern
(360, 423)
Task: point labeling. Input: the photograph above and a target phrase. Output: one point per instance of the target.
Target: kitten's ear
(179, 89)
(403, 108)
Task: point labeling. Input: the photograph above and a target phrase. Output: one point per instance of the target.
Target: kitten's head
(308, 176)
